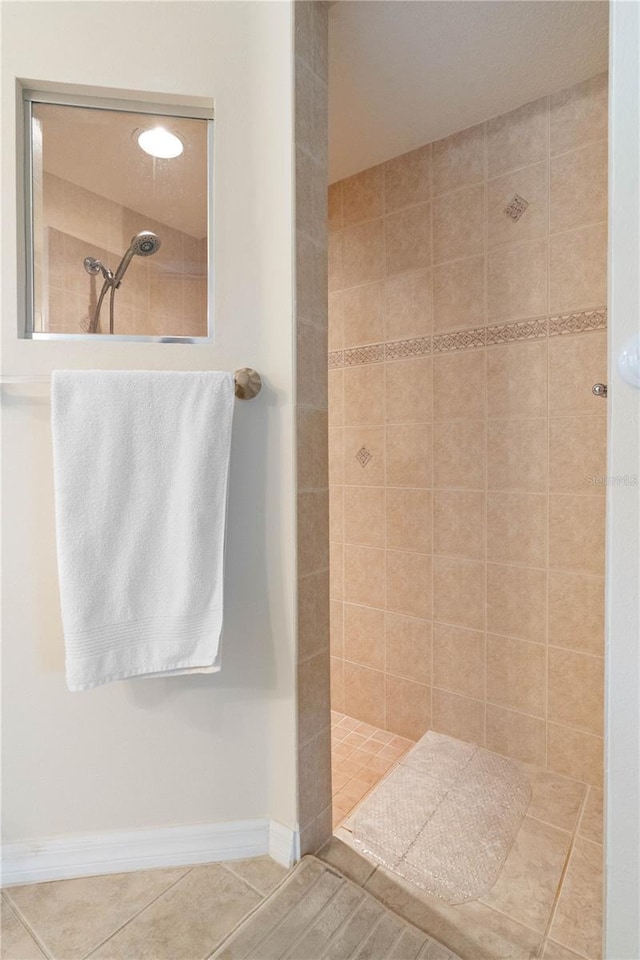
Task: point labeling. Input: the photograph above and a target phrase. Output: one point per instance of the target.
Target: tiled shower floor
(547, 901)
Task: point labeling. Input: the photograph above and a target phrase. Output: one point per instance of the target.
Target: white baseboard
(84, 855)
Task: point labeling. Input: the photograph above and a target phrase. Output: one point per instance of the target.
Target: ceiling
(96, 149)
(405, 72)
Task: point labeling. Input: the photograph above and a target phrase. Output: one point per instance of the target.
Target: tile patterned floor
(547, 901)
(180, 913)
(360, 756)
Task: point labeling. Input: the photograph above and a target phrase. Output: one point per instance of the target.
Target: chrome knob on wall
(599, 390)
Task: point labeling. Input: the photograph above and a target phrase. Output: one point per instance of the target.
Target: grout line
(565, 868)
(31, 933)
(136, 915)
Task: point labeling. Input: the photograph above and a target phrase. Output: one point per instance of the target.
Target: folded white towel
(141, 466)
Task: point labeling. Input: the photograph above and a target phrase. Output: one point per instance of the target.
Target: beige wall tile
(408, 513)
(373, 440)
(516, 735)
(311, 353)
(459, 524)
(363, 253)
(517, 528)
(591, 825)
(408, 647)
(313, 449)
(314, 765)
(579, 187)
(575, 364)
(459, 660)
(517, 602)
(336, 455)
(313, 614)
(576, 533)
(313, 531)
(364, 575)
(575, 754)
(576, 690)
(458, 160)
(517, 380)
(336, 571)
(517, 281)
(517, 455)
(364, 516)
(409, 583)
(578, 455)
(335, 262)
(336, 397)
(334, 203)
(459, 593)
(458, 294)
(362, 196)
(409, 311)
(336, 617)
(364, 694)
(364, 394)
(579, 114)
(576, 611)
(459, 454)
(578, 918)
(518, 138)
(578, 269)
(458, 224)
(408, 707)
(529, 183)
(408, 390)
(459, 385)
(407, 179)
(337, 684)
(364, 641)
(409, 455)
(408, 239)
(313, 697)
(363, 314)
(458, 716)
(516, 675)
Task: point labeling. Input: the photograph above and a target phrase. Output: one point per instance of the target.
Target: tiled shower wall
(314, 718)
(467, 451)
(162, 295)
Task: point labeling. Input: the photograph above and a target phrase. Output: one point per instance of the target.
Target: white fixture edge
(91, 854)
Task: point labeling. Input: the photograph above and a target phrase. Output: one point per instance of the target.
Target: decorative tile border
(459, 340)
(537, 329)
(523, 330)
(399, 349)
(578, 322)
(372, 353)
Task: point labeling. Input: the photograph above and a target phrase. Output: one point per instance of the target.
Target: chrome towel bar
(248, 382)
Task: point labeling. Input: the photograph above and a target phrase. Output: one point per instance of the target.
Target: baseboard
(83, 855)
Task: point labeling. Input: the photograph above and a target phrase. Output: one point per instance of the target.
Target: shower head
(144, 244)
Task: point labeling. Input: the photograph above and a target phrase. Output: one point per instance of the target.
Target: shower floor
(547, 900)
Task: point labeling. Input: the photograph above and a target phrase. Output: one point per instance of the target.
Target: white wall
(622, 925)
(141, 754)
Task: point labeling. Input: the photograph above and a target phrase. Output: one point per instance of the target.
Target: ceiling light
(158, 142)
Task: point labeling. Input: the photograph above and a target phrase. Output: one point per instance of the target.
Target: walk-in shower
(143, 244)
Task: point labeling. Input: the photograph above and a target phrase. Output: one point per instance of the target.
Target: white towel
(141, 467)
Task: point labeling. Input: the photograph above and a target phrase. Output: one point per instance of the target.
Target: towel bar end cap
(248, 383)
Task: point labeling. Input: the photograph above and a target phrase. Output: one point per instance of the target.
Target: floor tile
(527, 885)
(555, 799)
(553, 951)
(347, 861)
(15, 942)
(71, 917)
(188, 921)
(578, 920)
(261, 873)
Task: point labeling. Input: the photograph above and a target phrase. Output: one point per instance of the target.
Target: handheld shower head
(144, 244)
